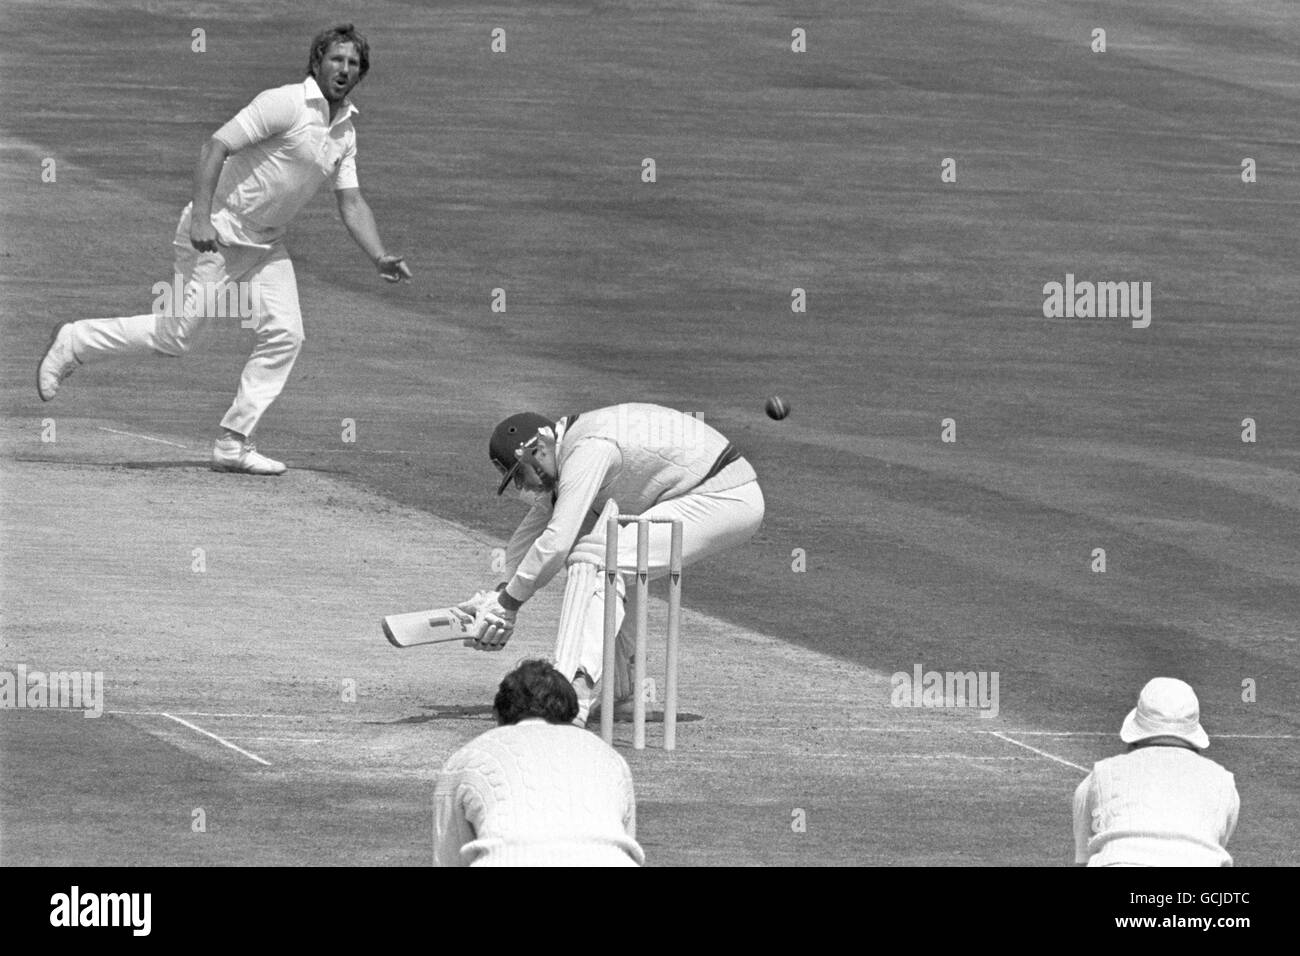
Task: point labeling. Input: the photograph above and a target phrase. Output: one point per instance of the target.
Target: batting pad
(580, 642)
(625, 648)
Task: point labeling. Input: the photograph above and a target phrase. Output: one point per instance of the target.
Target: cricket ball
(777, 407)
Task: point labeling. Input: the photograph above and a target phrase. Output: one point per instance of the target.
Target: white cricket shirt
(282, 148)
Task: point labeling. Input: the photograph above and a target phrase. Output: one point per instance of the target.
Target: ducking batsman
(652, 461)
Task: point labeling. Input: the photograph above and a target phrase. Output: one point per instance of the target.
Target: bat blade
(435, 626)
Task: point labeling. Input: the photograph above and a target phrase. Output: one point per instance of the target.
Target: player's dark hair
(535, 689)
(342, 33)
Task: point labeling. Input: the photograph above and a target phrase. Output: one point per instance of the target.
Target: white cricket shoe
(58, 362)
(231, 454)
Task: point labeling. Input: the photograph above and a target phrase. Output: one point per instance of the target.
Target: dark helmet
(512, 434)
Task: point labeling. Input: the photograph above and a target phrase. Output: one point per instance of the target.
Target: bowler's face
(339, 71)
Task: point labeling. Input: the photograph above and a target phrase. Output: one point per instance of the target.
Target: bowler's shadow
(204, 464)
(200, 465)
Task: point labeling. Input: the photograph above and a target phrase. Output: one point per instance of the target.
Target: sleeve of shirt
(534, 523)
(580, 481)
(451, 830)
(1082, 819)
(345, 177)
(272, 112)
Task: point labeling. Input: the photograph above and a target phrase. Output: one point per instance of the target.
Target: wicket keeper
(535, 791)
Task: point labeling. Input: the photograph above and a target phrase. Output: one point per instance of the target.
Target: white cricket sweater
(535, 794)
(637, 454)
(1155, 806)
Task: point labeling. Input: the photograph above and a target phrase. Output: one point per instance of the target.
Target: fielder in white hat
(1161, 803)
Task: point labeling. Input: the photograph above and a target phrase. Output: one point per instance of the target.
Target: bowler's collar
(312, 91)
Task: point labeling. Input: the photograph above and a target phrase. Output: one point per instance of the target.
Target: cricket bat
(436, 626)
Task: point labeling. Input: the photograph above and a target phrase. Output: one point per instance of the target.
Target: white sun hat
(1167, 707)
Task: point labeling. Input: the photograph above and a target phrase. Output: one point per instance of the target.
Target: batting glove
(493, 625)
(392, 268)
(471, 605)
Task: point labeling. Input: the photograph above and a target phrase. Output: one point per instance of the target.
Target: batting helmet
(511, 435)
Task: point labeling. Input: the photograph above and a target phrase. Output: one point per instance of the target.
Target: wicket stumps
(642, 625)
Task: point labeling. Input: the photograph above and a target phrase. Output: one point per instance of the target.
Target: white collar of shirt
(561, 427)
(312, 90)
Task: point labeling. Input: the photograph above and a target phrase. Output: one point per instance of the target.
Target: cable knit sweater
(535, 794)
(1155, 806)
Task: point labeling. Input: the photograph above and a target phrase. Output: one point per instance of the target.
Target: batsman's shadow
(651, 717)
(476, 711)
(444, 712)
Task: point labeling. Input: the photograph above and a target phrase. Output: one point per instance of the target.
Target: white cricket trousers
(711, 522)
(271, 291)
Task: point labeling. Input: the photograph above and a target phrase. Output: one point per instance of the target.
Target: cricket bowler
(652, 461)
(252, 178)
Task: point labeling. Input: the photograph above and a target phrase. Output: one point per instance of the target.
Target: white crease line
(357, 450)
(287, 740)
(822, 755)
(856, 729)
(1111, 733)
(208, 713)
(220, 740)
(1057, 733)
(958, 731)
(1041, 753)
(880, 756)
(1020, 733)
(161, 441)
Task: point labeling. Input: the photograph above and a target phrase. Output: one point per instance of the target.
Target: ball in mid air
(777, 407)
